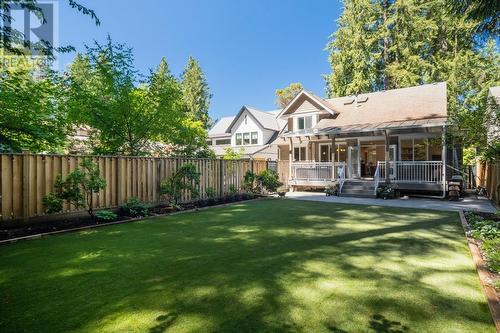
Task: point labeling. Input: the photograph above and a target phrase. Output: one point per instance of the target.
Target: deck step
(358, 188)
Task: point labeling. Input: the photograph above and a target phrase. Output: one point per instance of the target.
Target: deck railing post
(332, 153)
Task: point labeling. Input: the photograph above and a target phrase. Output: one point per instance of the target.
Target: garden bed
(484, 228)
(78, 222)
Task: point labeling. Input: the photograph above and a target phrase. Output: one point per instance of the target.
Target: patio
(472, 202)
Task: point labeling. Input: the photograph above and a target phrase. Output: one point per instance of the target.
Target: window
(299, 153)
(209, 142)
(407, 150)
(238, 139)
(254, 138)
(435, 149)
(246, 138)
(306, 122)
(420, 150)
(223, 142)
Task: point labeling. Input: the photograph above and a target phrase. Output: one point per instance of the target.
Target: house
(251, 132)
(359, 142)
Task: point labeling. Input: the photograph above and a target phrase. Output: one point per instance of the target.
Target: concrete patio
(471, 202)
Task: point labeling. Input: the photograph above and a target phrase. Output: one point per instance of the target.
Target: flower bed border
(135, 219)
(484, 274)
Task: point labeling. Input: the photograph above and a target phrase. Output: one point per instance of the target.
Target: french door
(353, 165)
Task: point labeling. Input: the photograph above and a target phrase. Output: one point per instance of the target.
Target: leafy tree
(11, 39)
(196, 93)
(386, 44)
(230, 154)
(125, 119)
(485, 11)
(77, 189)
(32, 113)
(287, 94)
(186, 178)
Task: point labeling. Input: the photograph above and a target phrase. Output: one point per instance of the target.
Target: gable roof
(220, 127)
(325, 104)
(266, 120)
(406, 104)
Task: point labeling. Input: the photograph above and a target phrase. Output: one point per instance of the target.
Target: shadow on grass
(254, 267)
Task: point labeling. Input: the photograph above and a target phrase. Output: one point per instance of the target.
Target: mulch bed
(62, 224)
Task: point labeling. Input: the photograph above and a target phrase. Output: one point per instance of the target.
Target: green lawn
(262, 266)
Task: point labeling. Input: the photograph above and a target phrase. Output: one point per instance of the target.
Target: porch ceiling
(394, 127)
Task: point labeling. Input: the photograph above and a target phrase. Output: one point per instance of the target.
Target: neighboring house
(251, 132)
(394, 136)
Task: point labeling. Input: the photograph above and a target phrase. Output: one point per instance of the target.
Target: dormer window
(305, 122)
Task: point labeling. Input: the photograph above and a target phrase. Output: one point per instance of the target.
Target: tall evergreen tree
(387, 44)
(196, 93)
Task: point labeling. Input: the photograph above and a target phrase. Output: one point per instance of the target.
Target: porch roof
(400, 126)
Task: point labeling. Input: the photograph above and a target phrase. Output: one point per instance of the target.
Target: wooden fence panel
(25, 179)
(488, 176)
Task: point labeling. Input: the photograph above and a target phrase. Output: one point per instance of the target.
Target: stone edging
(484, 275)
(37, 236)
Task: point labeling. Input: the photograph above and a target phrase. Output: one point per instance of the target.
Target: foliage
(186, 178)
(210, 192)
(105, 215)
(488, 231)
(134, 207)
(287, 94)
(332, 190)
(11, 39)
(269, 179)
(77, 189)
(196, 93)
(484, 11)
(266, 179)
(232, 189)
(387, 191)
(397, 44)
(231, 155)
(32, 112)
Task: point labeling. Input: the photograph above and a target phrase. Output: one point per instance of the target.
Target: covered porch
(412, 156)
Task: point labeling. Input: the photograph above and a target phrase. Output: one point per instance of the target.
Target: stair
(358, 188)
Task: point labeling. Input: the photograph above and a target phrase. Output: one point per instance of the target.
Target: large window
(246, 138)
(254, 138)
(421, 149)
(223, 142)
(299, 154)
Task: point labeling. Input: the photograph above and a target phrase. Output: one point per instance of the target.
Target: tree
(196, 93)
(125, 119)
(77, 189)
(186, 178)
(231, 155)
(387, 44)
(12, 39)
(32, 112)
(287, 94)
(485, 11)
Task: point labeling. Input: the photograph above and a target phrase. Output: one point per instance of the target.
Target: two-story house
(251, 132)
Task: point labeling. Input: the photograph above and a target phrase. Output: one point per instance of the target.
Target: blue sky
(247, 49)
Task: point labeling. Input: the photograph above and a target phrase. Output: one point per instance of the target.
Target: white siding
(250, 125)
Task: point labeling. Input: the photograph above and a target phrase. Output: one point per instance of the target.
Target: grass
(264, 266)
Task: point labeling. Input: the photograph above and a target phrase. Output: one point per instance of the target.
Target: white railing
(376, 178)
(341, 177)
(315, 171)
(412, 171)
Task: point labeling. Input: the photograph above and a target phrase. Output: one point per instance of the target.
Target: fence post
(221, 177)
(26, 186)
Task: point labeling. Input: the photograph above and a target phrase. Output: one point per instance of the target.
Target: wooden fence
(488, 176)
(26, 178)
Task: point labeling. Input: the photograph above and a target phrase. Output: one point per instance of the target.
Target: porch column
(290, 158)
(387, 144)
(332, 153)
(443, 158)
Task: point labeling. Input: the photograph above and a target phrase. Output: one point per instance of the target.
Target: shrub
(135, 208)
(105, 215)
(269, 180)
(210, 192)
(77, 189)
(186, 178)
(249, 182)
(491, 248)
(332, 190)
(386, 191)
(232, 189)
